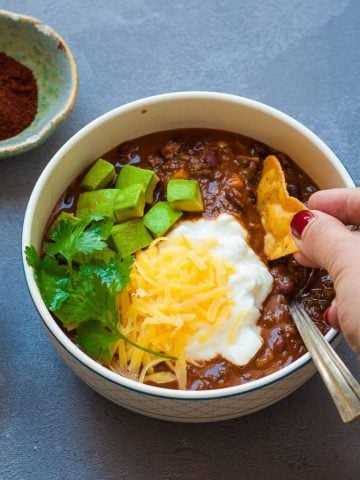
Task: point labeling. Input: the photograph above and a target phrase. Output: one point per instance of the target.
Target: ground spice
(18, 97)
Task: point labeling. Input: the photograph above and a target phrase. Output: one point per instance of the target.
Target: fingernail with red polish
(326, 316)
(300, 221)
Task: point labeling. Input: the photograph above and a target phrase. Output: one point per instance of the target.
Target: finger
(324, 240)
(331, 316)
(303, 260)
(341, 203)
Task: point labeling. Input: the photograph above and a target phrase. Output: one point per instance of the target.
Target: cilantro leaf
(86, 236)
(96, 340)
(32, 257)
(52, 279)
(116, 272)
(91, 299)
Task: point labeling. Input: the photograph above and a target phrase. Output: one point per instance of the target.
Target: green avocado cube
(63, 216)
(100, 202)
(185, 195)
(130, 236)
(130, 175)
(160, 218)
(130, 202)
(99, 175)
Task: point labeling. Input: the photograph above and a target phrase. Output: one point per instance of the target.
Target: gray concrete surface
(299, 56)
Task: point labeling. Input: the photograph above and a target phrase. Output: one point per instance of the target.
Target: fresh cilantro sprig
(93, 306)
(52, 279)
(97, 341)
(84, 296)
(86, 236)
(116, 271)
(91, 299)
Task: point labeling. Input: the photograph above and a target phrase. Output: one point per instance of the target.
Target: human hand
(324, 241)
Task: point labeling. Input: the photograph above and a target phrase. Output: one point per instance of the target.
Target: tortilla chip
(276, 209)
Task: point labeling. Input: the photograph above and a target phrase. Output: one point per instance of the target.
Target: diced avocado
(130, 236)
(100, 202)
(185, 195)
(99, 175)
(130, 175)
(130, 202)
(62, 216)
(160, 218)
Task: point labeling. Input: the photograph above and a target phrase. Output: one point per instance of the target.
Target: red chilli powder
(18, 97)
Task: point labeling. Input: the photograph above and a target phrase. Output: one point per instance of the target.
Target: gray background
(299, 56)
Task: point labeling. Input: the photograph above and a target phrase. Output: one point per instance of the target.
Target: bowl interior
(165, 112)
(37, 46)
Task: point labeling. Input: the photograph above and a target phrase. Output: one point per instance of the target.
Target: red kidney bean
(211, 159)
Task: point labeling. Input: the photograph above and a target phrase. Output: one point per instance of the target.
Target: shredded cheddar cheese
(176, 286)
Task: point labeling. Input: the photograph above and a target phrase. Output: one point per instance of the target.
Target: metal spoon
(342, 386)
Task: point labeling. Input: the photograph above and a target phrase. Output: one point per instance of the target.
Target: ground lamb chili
(228, 167)
(18, 97)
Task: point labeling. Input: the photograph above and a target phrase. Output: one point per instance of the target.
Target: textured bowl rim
(61, 337)
(40, 136)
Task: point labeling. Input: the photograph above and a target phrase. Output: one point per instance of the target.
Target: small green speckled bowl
(37, 46)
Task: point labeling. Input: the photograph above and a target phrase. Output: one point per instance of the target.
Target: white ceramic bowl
(165, 112)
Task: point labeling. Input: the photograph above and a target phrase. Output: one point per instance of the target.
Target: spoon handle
(343, 387)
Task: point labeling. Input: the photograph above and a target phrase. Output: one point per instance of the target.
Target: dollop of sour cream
(250, 284)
